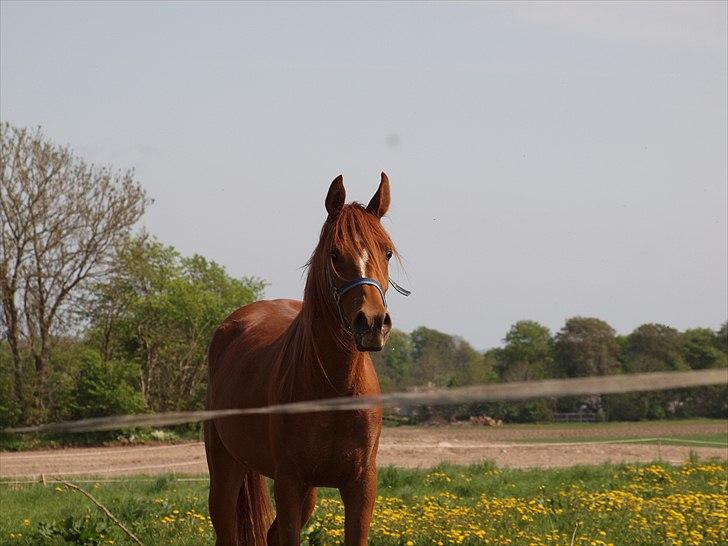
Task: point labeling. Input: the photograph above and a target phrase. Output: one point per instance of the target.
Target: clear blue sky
(546, 160)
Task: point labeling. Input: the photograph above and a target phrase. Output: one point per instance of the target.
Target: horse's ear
(336, 196)
(379, 205)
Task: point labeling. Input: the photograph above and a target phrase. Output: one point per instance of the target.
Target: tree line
(98, 319)
(585, 346)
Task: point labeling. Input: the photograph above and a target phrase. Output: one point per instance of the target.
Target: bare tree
(60, 220)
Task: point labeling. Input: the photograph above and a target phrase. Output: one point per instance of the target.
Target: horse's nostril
(361, 324)
(387, 324)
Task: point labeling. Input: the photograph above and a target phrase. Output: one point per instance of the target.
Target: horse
(279, 351)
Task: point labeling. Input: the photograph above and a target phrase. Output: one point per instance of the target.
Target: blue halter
(337, 292)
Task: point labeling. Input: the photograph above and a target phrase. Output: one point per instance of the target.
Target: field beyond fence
(514, 446)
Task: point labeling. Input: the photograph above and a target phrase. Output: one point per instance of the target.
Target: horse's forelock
(353, 231)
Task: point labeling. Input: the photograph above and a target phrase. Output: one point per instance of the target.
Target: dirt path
(403, 446)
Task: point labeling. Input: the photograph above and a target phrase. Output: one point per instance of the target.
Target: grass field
(710, 440)
(658, 432)
(664, 433)
(479, 504)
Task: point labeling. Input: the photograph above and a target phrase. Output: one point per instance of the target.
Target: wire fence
(525, 390)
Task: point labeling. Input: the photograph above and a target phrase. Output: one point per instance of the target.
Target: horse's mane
(351, 231)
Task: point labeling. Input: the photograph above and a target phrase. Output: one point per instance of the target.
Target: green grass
(449, 504)
(721, 439)
(606, 425)
(690, 440)
(648, 432)
(615, 426)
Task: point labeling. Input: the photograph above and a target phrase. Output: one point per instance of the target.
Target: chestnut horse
(273, 352)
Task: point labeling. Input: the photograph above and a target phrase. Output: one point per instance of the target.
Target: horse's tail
(254, 510)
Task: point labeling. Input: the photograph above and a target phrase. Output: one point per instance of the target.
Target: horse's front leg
(294, 501)
(359, 496)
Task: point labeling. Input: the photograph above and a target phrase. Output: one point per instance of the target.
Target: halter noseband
(337, 292)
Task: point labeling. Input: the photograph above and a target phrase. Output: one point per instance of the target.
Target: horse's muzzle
(371, 334)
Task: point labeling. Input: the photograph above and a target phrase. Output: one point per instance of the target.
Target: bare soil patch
(513, 446)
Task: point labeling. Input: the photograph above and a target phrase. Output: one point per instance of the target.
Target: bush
(105, 388)
(530, 411)
(633, 406)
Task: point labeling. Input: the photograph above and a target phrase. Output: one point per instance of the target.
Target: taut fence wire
(551, 388)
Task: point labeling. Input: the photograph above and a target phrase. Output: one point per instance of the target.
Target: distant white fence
(576, 417)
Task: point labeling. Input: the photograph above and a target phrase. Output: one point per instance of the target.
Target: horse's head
(352, 261)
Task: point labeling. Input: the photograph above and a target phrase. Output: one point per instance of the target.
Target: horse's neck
(344, 368)
(332, 368)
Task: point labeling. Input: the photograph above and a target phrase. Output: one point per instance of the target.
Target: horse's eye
(334, 255)
(389, 255)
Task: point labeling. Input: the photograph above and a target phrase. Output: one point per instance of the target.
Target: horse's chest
(335, 448)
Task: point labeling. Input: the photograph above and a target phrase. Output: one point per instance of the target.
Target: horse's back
(241, 347)
(257, 324)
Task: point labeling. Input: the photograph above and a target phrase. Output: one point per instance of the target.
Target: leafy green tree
(10, 409)
(649, 348)
(528, 353)
(67, 362)
(721, 338)
(470, 366)
(631, 407)
(432, 353)
(443, 360)
(655, 347)
(702, 349)
(705, 348)
(394, 362)
(143, 268)
(585, 347)
(160, 310)
(105, 388)
(428, 357)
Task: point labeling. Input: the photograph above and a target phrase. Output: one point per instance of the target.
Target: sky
(546, 160)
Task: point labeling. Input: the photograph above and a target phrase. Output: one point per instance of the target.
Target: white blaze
(363, 259)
